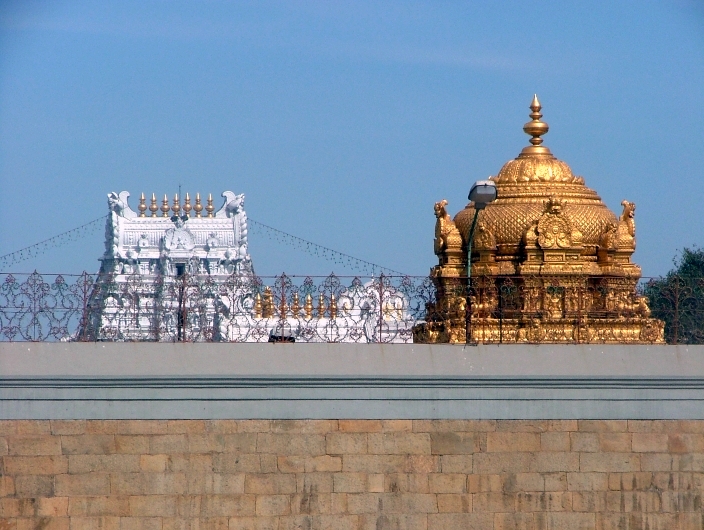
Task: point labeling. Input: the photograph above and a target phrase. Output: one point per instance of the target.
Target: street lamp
(482, 193)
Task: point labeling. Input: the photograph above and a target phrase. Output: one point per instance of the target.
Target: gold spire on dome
(536, 129)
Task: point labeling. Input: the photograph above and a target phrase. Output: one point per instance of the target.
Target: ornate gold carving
(142, 206)
(165, 206)
(550, 262)
(209, 207)
(187, 206)
(176, 208)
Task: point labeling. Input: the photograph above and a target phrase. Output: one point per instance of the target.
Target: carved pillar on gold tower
(550, 262)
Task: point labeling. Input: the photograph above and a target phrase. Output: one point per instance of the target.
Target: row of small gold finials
(176, 207)
(264, 306)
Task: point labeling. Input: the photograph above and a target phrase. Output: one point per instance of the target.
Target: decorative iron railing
(238, 308)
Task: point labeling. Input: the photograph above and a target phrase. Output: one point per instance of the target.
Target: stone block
(362, 426)
(376, 483)
(685, 443)
(83, 484)
(609, 462)
(653, 426)
(522, 425)
(313, 483)
(273, 505)
(397, 425)
(563, 425)
(484, 483)
(649, 442)
(227, 426)
(323, 463)
(148, 483)
(236, 463)
(291, 444)
(88, 444)
(494, 502)
(345, 443)
(589, 501)
(406, 482)
(555, 441)
(304, 426)
(454, 425)
(34, 445)
(185, 426)
(227, 505)
(291, 464)
(398, 443)
(7, 486)
(103, 505)
(454, 503)
(451, 443)
(349, 482)
(658, 462)
(33, 427)
(34, 486)
(95, 523)
(270, 484)
(505, 442)
(101, 427)
(515, 482)
(570, 521)
(152, 506)
(108, 463)
(142, 426)
(268, 463)
(603, 425)
(243, 442)
(587, 481)
(131, 444)
(543, 502)
(35, 465)
(153, 463)
(254, 523)
(253, 425)
(374, 463)
(555, 481)
(514, 521)
(553, 462)
(43, 523)
(447, 483)
(140, 523)
(615, 442)
(59, 427)
(168, 443)
(587, 442)
(456, 464)
(630, 481)
(465, 521)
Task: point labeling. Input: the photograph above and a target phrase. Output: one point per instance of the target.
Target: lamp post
(482, 193)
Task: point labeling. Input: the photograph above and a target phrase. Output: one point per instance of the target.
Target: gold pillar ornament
(550, 262)
(142, 205)
(176, 208)
(198, 207)
(295, 306)
(165, 206)
(153, 206)
(308, 307)
(321, 306)
(209, 207)
(187, 206)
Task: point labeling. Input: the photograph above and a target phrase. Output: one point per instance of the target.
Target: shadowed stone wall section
(351, 474)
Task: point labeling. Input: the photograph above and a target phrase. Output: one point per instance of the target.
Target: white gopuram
(183, 273)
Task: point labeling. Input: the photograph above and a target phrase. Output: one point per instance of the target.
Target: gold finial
(268, 303)
(177, 205)
(333, 306)
(209, 208)
(198, 207)
(321, 306)
(187, 206)
(536, 129)
(142, 206)
(258, 306)
(153, 207)
(295, 305)
(308, 307)
(165, 206)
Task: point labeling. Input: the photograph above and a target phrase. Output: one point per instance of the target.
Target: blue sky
(343, 122)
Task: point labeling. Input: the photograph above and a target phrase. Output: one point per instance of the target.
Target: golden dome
(525, 184)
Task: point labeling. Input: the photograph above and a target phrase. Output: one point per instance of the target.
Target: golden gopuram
(549, 262)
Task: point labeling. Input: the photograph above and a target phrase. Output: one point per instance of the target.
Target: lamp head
(482, 193)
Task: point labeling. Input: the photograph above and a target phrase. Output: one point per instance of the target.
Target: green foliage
(678, 298)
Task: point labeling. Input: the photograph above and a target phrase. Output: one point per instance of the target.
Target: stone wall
(351, 474)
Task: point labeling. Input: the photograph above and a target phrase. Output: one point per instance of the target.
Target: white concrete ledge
(282, 381)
